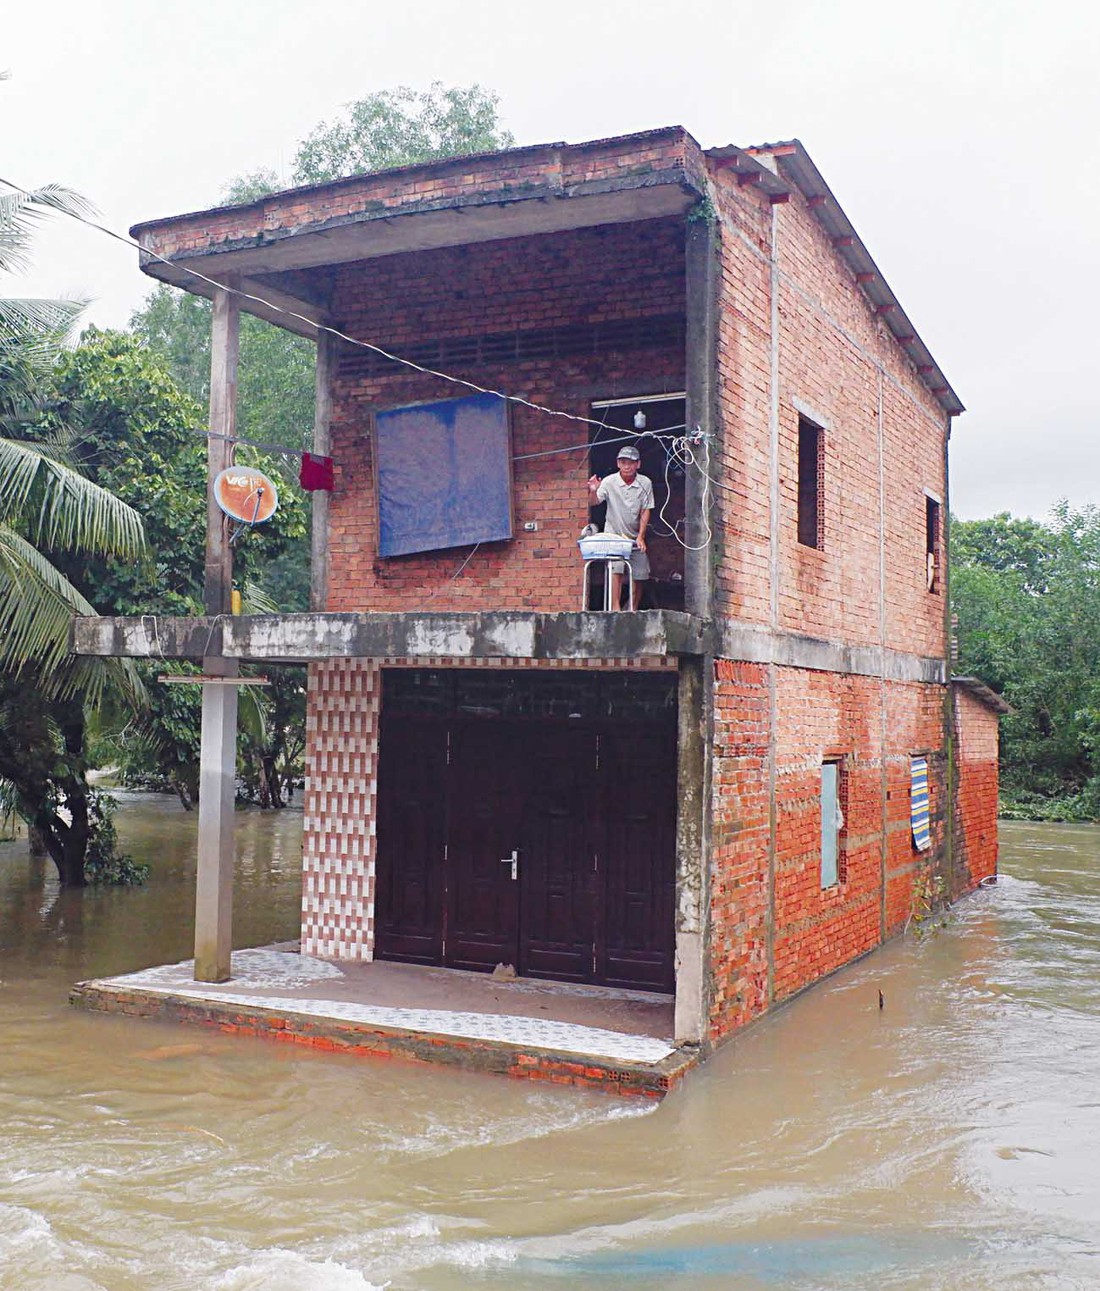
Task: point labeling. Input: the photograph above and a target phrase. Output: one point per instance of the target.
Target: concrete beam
(292, 638)
(289, 638)
(795, 650)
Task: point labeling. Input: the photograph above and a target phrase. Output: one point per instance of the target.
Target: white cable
(450, 581)
(311, 322)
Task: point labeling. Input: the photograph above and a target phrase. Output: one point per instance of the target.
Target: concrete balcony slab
(490, 634)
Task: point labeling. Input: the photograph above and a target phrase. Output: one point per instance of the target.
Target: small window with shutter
(832, 822)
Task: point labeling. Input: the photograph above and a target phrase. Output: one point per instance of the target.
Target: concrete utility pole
(218, 755)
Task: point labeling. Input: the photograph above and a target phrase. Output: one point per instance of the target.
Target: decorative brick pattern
(343, 705)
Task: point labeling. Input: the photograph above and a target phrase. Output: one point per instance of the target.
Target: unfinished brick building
(720, 797)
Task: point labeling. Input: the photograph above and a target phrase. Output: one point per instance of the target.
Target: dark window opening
(811, 463)
(593, 695)
(932, 546)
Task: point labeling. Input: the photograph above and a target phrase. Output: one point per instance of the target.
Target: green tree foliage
(399, 128)
(51, 519)
(1027, 599)
(143, 438)
(31, 329)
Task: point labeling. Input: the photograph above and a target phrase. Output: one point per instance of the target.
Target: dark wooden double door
(546, 845)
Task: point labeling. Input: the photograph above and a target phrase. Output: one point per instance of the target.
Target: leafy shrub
(104, 864)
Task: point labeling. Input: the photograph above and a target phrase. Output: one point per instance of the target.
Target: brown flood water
(950, 1140)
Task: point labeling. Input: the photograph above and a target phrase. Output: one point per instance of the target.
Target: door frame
(597, 814)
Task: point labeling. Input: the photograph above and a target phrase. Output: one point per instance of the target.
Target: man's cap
(631, 454)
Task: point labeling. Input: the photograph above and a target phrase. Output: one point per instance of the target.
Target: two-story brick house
(719, 797)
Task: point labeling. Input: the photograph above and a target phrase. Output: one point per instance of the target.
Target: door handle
(513, 861)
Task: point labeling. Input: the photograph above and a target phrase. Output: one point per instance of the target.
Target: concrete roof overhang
(283, 247)
(301, 638)
(984, 694)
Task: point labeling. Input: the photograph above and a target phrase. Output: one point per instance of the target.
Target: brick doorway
(529, 819)
(664, 423)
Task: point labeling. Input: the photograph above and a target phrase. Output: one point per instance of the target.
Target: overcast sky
(958, 135)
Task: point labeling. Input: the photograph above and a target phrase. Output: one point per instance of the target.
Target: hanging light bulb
(639, 420)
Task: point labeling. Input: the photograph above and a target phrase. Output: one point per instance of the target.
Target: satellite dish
(246, 495)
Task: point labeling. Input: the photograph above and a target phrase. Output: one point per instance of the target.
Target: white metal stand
(606, 561)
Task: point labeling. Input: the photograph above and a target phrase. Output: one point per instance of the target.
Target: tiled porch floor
(552, 1030)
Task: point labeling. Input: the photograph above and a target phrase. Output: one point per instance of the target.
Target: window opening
(811, 463)
(932, 544)
(832, 823)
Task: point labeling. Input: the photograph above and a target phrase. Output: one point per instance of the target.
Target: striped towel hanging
(918, 803)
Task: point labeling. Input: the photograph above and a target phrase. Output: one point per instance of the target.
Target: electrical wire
(313, 324)
(587, 447)
(450, 581)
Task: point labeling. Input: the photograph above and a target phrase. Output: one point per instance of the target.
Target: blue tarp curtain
(444, 475)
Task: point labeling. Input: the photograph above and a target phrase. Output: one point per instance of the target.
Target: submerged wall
(777, 924)
(976, 787)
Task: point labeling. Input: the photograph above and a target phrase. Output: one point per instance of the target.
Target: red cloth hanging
(316, 473)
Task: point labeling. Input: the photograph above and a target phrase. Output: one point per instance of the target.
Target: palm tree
(31, 330)
(48, 511)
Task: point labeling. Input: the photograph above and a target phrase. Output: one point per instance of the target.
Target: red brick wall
(741, 456)
(834, 357)
(915, 722)
(872, 728)
(583, 276)
(976, 753)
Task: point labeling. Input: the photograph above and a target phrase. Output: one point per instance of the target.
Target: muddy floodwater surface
(950, 1139)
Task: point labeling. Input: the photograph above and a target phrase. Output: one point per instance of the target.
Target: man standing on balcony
(629, 498)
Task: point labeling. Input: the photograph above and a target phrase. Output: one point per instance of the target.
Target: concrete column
(774, 571)
(216, 854)
(318, 559)
(693, 792)
(701, 318)
(218, 755)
